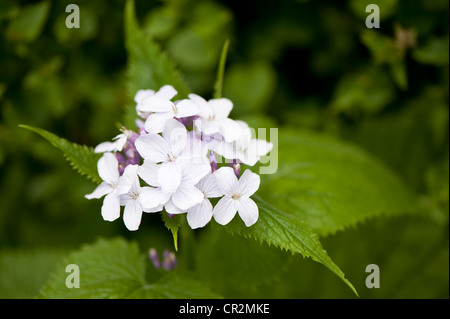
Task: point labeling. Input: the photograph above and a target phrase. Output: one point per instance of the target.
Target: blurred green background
(306, 64)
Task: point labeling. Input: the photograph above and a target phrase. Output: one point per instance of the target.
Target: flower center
(171, 157)
(236, 196)
(134, 195)
(174, 109)
(211, 117)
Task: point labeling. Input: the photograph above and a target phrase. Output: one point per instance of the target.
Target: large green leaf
(286, 232)
(148, 66)
(115, 269)
(82, 158)
(330, 184)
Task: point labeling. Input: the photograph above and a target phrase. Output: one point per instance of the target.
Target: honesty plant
(168, 158)
(173, 153)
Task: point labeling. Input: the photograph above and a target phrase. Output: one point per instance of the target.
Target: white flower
(171, 149)
(163, 108)
(213, 118)
(184, 196)
(237, 196)
(199, 215)
(117, 145)
(246, 149)
(133, 199)
(112, 186)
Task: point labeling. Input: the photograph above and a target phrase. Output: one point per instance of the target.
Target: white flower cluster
(174, 153)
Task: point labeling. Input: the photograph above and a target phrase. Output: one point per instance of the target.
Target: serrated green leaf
(115, 268)
(331, 184)
(173, 224)
(148, 67)
(81, 157)
(286, 232)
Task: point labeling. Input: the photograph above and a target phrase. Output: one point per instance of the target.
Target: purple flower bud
(182, 120)
(169, 260)
(212, 161)
(154, 258)
(237, 169)
(132, 138)
(140, 124)
(120, 158)
(190, 121)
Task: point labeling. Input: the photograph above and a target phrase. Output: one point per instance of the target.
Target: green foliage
(173, 224)
(330, 184)
(286, 232)
(235, 266)
(29, 23)
(116, 269)
(82, 158)
(23, 272)
(368, 140)
(148, 66)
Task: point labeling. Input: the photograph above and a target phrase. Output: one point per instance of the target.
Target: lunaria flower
(237, 196)
(158, 108)
(246, 149)
(133, 199)
(213, 118)
(174, 153)
(112, 186)
(118, 142)
(199, 215)
(172, 149)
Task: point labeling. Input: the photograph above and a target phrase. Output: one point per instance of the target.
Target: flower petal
(131, 178)
(208, 185)
(248, 183)
(166, 92)
(108, 168)
(192, 173)
(197, 99)
(224, 210)
(141, 94)
(106, 147)
(155, 122)
(111, 207)
(186, 196)
(248, 210)
(186, 108)
(259, 147)
(226, 180)
(169, 177)
(101, 190)
(154, 103)
(156, 209)
(152, 147)
(231, 131)
(175, 134)
(152, 197)
(132, 214)
(148, 171)
(199, 215)
(172, 209)
(194, 150)
(221, 108)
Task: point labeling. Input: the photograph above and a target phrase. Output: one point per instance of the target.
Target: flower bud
(154, 258)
